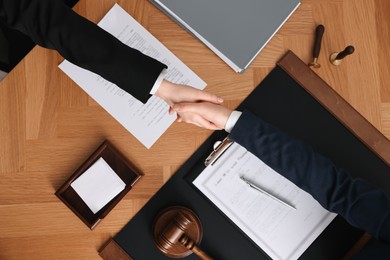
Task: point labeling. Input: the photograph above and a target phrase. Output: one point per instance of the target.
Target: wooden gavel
(174, 234)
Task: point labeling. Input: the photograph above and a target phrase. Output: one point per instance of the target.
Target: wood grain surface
(49, 126)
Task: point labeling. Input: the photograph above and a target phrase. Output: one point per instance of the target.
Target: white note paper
(282, 232)
(147, 122)
(98, 185)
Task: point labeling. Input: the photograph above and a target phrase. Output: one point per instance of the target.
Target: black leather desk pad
(280, 100)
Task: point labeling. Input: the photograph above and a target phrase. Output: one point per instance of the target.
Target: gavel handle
(199, 252)
(189, 244)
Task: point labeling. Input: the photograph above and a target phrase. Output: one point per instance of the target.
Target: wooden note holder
(122, 167)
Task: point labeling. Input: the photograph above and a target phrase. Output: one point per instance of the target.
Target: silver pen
(254, 186)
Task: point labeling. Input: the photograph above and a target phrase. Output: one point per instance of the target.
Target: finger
(171, 110)
(206, 96)
(204, 110)
(202, 122)
(187, 107)
(208, 125)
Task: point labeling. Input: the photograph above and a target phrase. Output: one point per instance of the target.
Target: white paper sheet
(147, 122)
(282, 232)
(98, 185)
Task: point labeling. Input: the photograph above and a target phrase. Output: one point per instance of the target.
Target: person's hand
(204, 114)
(176, 93)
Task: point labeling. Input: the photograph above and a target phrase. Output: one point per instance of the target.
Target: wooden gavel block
(177, 231)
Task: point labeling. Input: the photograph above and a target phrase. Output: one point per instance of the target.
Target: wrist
(164, 90)
(158, 82)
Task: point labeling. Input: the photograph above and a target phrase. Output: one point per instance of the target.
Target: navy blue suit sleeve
(52, 24)
(363, 206)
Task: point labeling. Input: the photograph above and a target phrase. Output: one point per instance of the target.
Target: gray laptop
(236, 30)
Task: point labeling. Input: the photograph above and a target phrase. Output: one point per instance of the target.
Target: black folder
(293, 98)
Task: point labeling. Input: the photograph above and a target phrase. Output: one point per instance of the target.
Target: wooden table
(49, 126)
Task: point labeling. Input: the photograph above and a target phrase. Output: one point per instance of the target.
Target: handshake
(194, 106)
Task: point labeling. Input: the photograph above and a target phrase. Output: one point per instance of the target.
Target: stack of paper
(98, 185)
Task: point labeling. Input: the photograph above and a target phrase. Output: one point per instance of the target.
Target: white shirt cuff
(232, 120)
(158, 82)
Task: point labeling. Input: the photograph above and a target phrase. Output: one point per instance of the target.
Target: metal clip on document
(220, 148)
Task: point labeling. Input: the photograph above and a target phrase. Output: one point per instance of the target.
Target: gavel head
(173, 228)
(173, 232)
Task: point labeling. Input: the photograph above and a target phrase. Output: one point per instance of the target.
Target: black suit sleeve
(52, 24)
(363, 206)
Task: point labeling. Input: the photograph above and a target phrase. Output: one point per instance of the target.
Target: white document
(147, 122)
(282, 232)
(98, 185)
